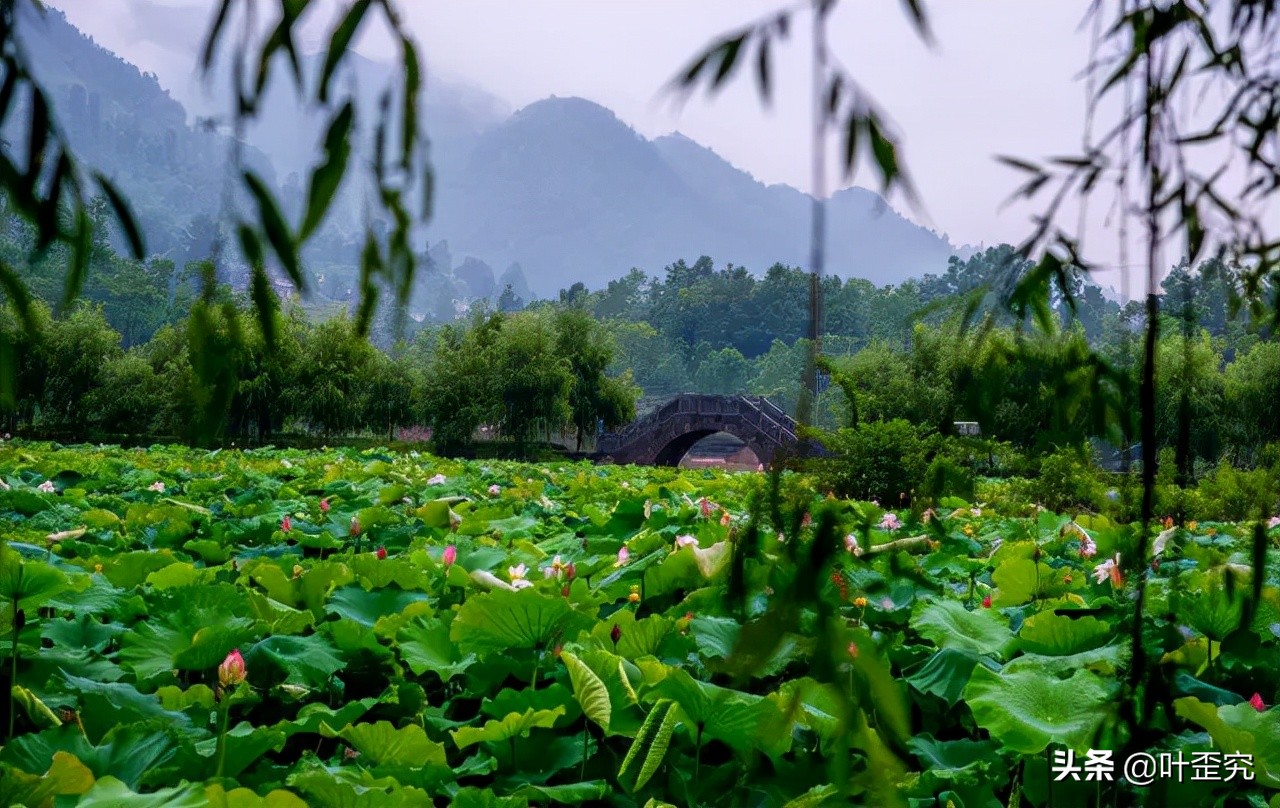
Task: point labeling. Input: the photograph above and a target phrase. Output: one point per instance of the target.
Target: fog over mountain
(562, 188)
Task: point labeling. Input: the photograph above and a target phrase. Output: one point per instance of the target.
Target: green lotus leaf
(218, 797)
(308, 660)
(500, 621)
(383, 744)
(366, 607)
(589, 690)
(638, 637)
(110, 704)
(110, 792)
(31, 583)
(512, 726)
(1019, 580)
(328, 788)
(126, 752)
(567, 794)
(472, 797)
(1055, 634)
(726, 715)
(66, 776)
(1029, 709)
(944, 674)
(425, 646)
(1240, 729)
(950, 625)
(1103, 661)
(245, 745)
(313, 716)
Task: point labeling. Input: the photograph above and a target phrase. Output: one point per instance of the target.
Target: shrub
(1230, 494)
(947, 478)
(880, 460)
(1068, 481)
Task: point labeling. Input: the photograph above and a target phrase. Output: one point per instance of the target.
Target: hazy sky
(1001, 79)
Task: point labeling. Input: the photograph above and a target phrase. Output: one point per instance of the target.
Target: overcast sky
(1002, 79)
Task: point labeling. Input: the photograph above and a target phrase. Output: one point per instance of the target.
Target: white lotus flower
(157, 486)
(436, 480)
(517, 575)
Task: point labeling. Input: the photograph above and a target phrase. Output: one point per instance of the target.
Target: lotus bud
(449, 556)
(381, 553)
(231, 672)
(615, 634)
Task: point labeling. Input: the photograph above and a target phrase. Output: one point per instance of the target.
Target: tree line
(524, 376)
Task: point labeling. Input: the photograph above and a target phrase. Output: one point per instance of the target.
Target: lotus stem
(223, 719)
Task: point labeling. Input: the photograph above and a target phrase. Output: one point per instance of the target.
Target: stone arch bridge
(665, 435)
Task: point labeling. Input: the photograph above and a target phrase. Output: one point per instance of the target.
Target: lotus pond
(345, 628)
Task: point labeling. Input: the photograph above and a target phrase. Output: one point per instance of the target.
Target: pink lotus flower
(986, 602)
(157, 486)
(1273, 522)
(888, 605)
(231, 672)
(381, 553)
(46, 487)
(851, 544)
(436, 480)
(725, 519)
(555, 570)
(1087, 547)
(324, 506)
(760, 467)
(570, 571)
(1257, 703)
(1109, 568)
(449, 556)
(685, 541)
(890, 522)
(285, 524)
(624, 555)
(494, 490)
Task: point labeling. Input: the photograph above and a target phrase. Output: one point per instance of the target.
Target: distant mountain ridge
(573, 193)
(562, 187)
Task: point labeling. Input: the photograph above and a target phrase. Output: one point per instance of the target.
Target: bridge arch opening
(708, 448)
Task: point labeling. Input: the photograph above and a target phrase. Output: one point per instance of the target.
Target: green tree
(722, 372)
(330, 386)
(594, 397)
(76, 349)
(1252, 408)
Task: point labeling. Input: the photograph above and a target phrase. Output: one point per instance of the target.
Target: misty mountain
(562, 189)
(573, 193)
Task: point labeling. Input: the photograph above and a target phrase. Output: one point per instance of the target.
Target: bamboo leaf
(327, 176)
(339, 42)
(409, 114)
(124, 215)
(277, 232)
